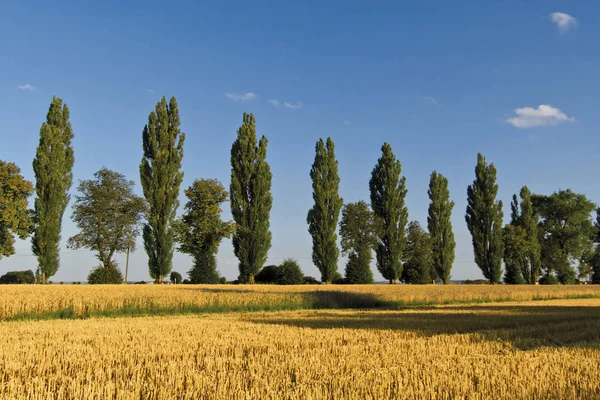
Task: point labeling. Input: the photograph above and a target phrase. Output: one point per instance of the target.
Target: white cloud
(274, 103)
(430, 100)
(241, 97)
(563, 21)
(529, 117)
(151, 91)
(297, 104)
(347, 122)
(27, 86)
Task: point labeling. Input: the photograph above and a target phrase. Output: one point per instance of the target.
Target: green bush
(269, 274)
(102, 275)
(18, 277)
(175, 277)
(290, 273)
(309, 280)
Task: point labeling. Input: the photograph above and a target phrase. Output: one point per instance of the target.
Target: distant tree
(200, 229)
(595, 259)
(290, 273)
(566, 232)
(175, 277)
(309, 280)
(358, 232)
(108, 215)
(484, 220)
(440, 226)
(323, 216)
(161, 177)
(268, 275)
(52, 166)
(18, 277)
(251, 199)
(516, 250)
(15, 218)
(388, 191)
(418, 256)
(105, 275)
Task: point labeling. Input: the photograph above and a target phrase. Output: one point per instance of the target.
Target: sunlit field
(80, 301)
(510, 350)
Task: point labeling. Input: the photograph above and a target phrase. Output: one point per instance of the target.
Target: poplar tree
(323, 216)
(388, 191)
(52, 166)
(251, 199)
(161, 177)
(440, 226)
(484, 220)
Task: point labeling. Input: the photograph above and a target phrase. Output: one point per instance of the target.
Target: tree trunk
(44, 278)
(251, 280)
(392, 281)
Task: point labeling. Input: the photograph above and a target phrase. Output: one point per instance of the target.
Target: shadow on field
(525, 327)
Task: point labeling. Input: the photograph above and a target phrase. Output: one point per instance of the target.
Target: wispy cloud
(563, 21)
(297, 104)
(27, 86)
(529, 117)
(151, 91)
(241, 96)
(431, 100)
(274, 103)
(347, 122)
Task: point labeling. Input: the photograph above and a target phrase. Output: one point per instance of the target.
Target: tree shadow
(525, 327)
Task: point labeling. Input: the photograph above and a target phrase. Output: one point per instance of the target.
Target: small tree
(105, 275)
(17, 277)
(200, 229)
(108, 214)
(53, 169)
(516, 251)
(440, 226)
(161, 177)
(14, 215)
(484, 220)
(175, 277)
(323, 216)
(388, 191)
(251, 199)
(418, 256)
(358, 233)
(290, 273)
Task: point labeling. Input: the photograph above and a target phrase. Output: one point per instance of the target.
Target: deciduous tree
(15, 218)
(418, 256)
(358, 233)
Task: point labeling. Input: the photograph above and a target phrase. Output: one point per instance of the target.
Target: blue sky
(438, 80)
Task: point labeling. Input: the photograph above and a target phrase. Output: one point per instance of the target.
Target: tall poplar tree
(53, 169)
(161, 177)
(440, 226)
(251, 199)
(323, 216)
(484, 220)
(388, 191)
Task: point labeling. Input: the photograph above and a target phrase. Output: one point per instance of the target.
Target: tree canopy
(358, 232)
(15, 217)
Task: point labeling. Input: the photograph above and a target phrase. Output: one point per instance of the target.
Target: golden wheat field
(510, 350)
(82, 300)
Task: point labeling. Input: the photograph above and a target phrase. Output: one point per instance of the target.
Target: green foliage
(14, 215)
(309, 280)
(388, 192)
(290, 273)
(105, 275)
(516, 249)
(440, 226)
(323, 216)
(359, 236)
(108, 214)
(200, 229)
(566, 231)
(418, 256)
(18, 277)
(52, 166)
(161, 177)
(175, 277)
(251, 199)
(268, 274)
(484, 220)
